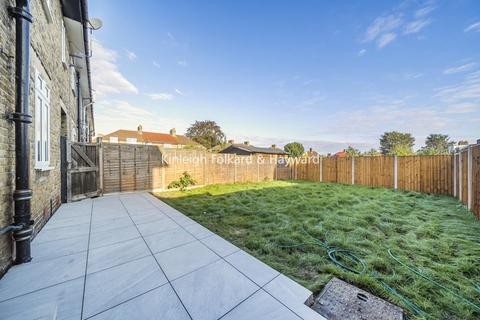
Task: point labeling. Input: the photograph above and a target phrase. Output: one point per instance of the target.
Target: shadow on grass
(433, 233)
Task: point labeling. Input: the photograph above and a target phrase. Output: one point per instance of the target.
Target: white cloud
(161, 96)
(106, 77)
(111, 115)
(411, 76)
(382, 25)
(170, 36)
(466, 91)
(462, 68)
(416, 26)
(362, 52)
(130, 55)
(465, 107)
(385, 39)
(384, 29)
(177, 91)
(182, 63)
(473, 27)
(156, 64)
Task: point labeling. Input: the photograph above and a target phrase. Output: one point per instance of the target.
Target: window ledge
(43, 168)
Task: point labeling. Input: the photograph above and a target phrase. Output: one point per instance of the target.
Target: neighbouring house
(165, 140)
(46, 94)
(312, 153)
(246, 149)
(341, 154)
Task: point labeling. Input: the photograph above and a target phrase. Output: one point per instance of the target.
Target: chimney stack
(231, 141)
(139, 129)
(274, 146)
(246, 143)
(173, 132)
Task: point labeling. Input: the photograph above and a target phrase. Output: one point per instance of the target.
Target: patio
(131, 256)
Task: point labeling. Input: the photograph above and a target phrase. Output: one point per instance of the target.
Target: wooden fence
(454, 175)
(131, 167)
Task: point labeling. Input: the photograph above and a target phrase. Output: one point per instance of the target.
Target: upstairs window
(131, 140)
(42, 123)
(113, 139)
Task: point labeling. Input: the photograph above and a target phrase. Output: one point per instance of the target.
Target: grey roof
(254, 149)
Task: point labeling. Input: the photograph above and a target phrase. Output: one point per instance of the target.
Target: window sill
(44, 168)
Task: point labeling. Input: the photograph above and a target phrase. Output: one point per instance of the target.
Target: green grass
(433, 233)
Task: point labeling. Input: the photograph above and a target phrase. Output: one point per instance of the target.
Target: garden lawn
(433, 233)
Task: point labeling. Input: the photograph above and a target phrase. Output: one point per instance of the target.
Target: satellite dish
(95, 23)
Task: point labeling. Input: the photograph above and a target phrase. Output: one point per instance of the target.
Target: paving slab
(108, 288)
(168, 239)
(253, 268)
(184, 259)
(211, 292)
(219, 245)
(62, 301)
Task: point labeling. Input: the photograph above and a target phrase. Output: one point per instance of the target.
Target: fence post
(234, 168)
(395, 172)
(454, 175)
(469, 177)
(100, 164)
(321, 168)
(353, 170)
(258, 170)
(163, 172)
(460, 176)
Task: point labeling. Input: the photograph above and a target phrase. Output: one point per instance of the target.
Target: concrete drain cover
(340, 300)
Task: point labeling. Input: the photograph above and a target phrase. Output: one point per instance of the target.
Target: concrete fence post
(234, 168)
(321, 169)
(395, 172)
(460, 175)
(469, 177)
(353, 170)
(454, 175)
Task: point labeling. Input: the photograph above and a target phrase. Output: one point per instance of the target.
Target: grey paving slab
(115, 254)
(212, 291)
(58, 221)
(110, 224)
(29, 277)
(219, 245)
(148, 217)
(292, 295)
(138, 212)
(158, 226)
(198, 231)
(62, 301)
(168, 239)
(158, 304)
(108, 288)
(101, 239)
(180, 218)
(55, 249)
(261, 306)
(256, 270)
(98, 217)
(62, 233)
(184, 259)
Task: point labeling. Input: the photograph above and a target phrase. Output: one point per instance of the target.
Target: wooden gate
(82, 170)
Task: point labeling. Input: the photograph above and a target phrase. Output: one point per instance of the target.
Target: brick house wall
(46, 58)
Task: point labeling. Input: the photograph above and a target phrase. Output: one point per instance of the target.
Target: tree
(393, 143)
(207, 133)
(372, 152)
(352, 152)
(437, 144)
(294, 149)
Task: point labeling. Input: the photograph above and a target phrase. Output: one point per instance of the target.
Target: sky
(326, 73)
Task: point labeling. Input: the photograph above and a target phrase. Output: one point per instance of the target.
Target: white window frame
(64, 44)
(132, 140)
(42, 123)
(113, 140)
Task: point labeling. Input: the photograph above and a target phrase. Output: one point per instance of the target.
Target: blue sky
(327, 73)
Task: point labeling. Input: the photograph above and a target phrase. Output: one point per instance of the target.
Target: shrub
(185, 181)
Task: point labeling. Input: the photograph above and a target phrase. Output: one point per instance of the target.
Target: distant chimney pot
(311, 150)
(140, 129)
(274, 146)
(246, 143)
(173, 132)
(231, 141)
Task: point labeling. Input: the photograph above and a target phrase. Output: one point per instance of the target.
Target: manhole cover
(340, 300)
